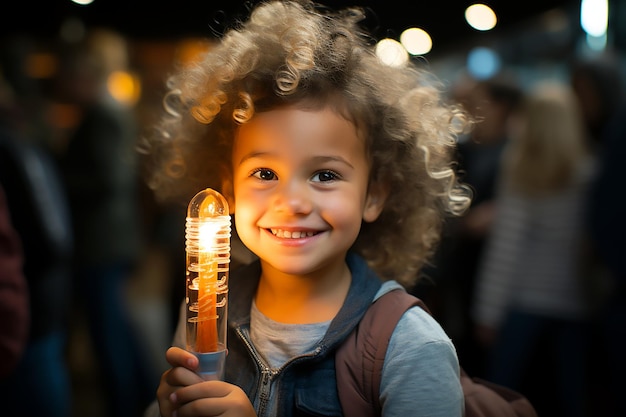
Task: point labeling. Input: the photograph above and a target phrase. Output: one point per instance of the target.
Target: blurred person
(38, 204)
(14, 300)
(490, 103)
(100, 173)
(529, 292)
(599, 87)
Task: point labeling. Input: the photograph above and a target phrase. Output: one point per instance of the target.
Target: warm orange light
(124, 87)
(208, 256)
(206, 337)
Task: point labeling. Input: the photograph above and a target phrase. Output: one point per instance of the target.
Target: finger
(213, 398)
(206, 389)
(181, 377)
(176, 356)
(171, 381)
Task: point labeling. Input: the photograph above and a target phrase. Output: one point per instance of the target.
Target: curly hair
(298, 53)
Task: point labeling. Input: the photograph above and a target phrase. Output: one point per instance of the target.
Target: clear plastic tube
(207, 235)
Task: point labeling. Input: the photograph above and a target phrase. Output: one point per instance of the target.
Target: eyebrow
(316, 159)
(252, 155)
(339, 159)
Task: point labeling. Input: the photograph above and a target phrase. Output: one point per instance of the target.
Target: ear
(375, 201)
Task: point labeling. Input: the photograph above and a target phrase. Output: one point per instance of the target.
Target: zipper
(267, 374)
(265, 390)
(264, 385)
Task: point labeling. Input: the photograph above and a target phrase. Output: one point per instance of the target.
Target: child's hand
(183, 392)
(212, 398)
(180, 375)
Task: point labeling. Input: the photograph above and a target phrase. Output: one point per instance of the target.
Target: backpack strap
(360, 358)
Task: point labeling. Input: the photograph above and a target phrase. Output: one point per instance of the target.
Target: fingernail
(173, 398)
(192, 363)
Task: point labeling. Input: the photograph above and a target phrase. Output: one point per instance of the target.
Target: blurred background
(81, 81)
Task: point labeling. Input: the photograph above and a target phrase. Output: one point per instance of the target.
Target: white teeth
(286, 234)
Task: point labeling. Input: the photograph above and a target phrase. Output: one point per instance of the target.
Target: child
(338, 172)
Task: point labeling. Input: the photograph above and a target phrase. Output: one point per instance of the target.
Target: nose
(293, 197)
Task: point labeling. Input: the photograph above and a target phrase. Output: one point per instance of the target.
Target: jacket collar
(364, 286)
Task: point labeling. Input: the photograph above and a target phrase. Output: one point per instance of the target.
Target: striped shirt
(532, 259)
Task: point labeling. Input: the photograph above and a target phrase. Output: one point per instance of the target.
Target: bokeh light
(483, 63)
(480, 17)
(391, 52)
(416, 41)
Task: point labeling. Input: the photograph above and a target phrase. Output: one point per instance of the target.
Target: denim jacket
(306, 385)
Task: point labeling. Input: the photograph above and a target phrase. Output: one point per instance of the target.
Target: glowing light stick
(207, 235)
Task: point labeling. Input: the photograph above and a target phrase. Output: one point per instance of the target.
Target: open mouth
(292, 234)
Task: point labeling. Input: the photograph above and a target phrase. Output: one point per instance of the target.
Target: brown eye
(324, 176)
(264, 174)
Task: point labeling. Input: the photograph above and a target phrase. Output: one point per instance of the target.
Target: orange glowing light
(208, 255)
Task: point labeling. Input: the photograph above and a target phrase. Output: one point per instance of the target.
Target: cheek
(243, 221)
(347, 212)
(249, 208)
(243, 210)
(239, 194)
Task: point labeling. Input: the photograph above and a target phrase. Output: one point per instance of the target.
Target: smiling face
(300, 181)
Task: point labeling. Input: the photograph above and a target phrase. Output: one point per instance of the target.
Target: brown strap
(359, 363)
(359, 360)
